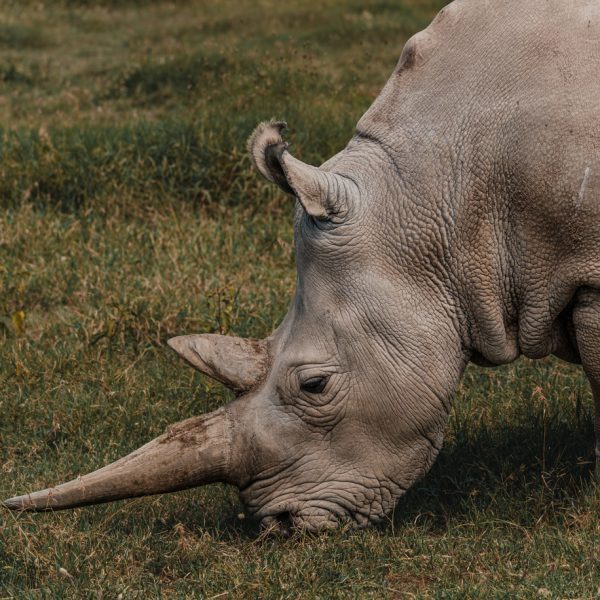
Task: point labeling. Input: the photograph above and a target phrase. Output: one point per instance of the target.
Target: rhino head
(343, 407)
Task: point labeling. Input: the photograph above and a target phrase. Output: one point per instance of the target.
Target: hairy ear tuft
(322, 194)
(265, 146)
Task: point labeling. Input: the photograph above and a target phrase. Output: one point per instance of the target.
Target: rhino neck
(441, 222)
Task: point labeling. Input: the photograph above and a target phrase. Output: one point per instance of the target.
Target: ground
(130, 213)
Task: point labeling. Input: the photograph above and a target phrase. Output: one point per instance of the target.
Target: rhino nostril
(285, 523)
(279, 524)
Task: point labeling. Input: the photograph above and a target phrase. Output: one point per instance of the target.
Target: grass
(129, 213)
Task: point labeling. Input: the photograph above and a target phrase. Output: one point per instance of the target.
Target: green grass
(130, 213)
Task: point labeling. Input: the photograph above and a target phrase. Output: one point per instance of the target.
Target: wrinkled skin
(460, 223)
(350, 451)
(474, 235)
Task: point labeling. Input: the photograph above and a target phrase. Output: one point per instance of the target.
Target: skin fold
(460, 223)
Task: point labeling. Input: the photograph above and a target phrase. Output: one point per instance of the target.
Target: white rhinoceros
(460, 223)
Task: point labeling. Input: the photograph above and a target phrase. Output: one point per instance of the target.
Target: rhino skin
(461, 222)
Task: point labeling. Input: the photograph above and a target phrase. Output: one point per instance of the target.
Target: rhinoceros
(460, 223)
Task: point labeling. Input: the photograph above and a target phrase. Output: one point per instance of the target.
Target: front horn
(188, 454)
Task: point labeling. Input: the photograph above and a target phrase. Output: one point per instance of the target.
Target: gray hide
(460, 223)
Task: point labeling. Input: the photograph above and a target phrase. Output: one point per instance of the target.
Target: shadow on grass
(518, 472)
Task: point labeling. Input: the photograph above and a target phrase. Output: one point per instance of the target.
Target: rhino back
(496, 106)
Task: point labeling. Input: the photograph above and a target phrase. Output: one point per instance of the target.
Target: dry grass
(129, 214)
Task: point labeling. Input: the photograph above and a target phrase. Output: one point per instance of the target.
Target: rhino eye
(314, 385)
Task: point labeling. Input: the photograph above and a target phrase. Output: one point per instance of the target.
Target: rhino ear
(238, 363)
(322, 194)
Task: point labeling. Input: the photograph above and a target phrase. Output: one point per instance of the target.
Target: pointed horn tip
(16, 503)
(183, 344)
(175, 343)
(28, 503)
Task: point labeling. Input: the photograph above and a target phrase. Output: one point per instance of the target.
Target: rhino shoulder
(479, 53)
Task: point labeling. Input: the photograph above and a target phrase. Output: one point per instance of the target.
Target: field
(130, 213)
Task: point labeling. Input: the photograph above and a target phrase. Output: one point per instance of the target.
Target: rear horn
(238, 363)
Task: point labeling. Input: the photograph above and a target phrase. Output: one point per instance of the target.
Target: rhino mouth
(278, 524)
(312, 516)
(305, 521)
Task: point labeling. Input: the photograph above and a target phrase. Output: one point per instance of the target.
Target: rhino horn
(238, 363)
(190, 453)
(322, 194)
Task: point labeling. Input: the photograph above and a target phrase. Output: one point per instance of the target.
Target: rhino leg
(586, 320)
(596, 393)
